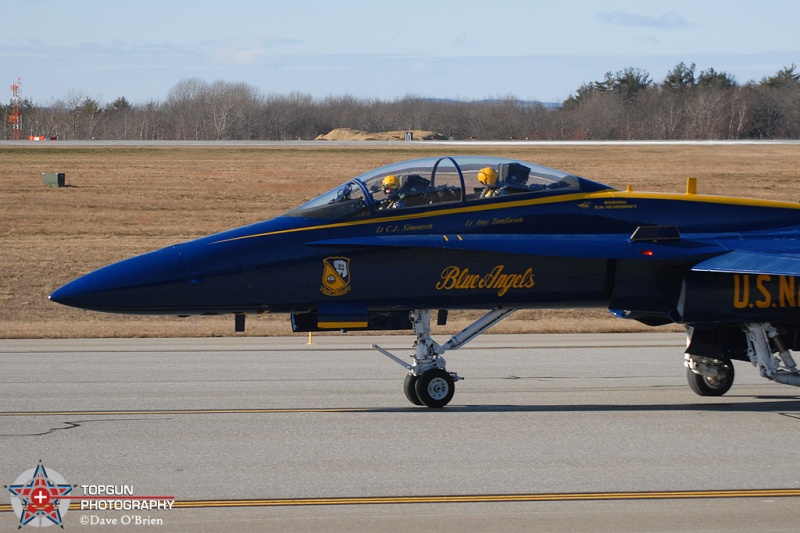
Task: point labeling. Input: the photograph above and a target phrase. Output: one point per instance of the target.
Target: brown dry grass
(127, 200)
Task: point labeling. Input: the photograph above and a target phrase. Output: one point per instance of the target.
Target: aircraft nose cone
(133, 285)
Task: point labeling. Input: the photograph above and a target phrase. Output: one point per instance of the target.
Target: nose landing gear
(428, 382)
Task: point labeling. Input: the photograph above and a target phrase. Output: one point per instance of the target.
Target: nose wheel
(410, 389)
(435, 388)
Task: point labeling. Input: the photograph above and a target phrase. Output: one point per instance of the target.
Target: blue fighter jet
(497, 235)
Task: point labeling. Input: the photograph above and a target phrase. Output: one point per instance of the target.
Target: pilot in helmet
(391, 188)
(488, 176)
(390, 184)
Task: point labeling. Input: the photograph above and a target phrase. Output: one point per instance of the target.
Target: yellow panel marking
(341, 325)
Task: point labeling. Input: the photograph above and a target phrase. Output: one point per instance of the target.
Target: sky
(379, 49)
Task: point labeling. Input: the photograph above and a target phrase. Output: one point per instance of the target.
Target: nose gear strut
(428, 382)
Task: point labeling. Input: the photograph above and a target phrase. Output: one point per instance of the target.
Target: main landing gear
(766, 350)
(707, 376)
(428, 382)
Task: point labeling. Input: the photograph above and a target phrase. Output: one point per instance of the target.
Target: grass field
(123, 201)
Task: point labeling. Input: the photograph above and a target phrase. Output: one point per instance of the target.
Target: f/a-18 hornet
(498, 235)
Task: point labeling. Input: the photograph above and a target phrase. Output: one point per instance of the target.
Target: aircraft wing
(610, 246)
(752, 262)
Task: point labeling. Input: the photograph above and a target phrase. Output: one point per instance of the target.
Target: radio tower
(16, 117)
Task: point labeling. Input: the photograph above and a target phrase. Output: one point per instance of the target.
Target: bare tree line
(624, 105)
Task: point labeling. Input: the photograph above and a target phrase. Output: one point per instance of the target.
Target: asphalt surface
(546, 433)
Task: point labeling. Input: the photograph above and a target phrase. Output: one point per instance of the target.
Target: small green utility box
(53, 179)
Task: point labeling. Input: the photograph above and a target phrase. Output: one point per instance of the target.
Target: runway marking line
(188, 411)
(478, 498)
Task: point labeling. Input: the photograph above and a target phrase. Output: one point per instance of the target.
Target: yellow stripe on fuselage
(609, 193)
(341, 325)
(702, 198)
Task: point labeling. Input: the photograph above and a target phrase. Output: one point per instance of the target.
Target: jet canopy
(444, 181)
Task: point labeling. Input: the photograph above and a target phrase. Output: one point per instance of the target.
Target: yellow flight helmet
(391, 182)
(488, 176)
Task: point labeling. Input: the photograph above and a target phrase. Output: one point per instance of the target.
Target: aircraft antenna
(15, 118)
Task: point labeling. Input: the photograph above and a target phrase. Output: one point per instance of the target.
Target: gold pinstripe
(601, 195)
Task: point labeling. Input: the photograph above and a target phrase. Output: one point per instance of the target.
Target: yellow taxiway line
(478, 498)
(487, 498)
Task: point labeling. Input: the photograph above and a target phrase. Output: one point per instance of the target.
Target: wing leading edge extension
(609, 246)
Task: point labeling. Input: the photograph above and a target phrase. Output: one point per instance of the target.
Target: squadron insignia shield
(335, 276)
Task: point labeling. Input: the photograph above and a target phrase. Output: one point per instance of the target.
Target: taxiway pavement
(546, 433)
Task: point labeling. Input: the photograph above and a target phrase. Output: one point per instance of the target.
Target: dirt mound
(349, 134)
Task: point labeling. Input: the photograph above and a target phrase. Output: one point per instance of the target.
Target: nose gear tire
(435, 388)
(409, 388)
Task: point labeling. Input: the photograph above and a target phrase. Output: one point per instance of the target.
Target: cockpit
(443, 181)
